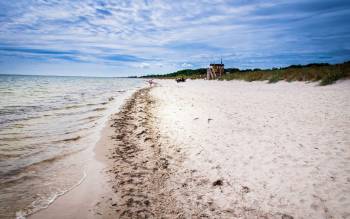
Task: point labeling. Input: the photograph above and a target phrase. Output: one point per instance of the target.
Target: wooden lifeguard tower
(215, 71)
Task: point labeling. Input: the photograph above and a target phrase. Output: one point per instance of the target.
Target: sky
(125, 37)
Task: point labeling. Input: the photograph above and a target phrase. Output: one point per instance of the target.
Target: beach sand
(258, 150)
(217, 149)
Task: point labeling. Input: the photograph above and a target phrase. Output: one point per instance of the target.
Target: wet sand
(93, 198)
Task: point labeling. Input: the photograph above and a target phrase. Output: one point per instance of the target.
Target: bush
(275, 78)
(331, 78)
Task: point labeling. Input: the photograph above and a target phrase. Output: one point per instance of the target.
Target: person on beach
(151, 82)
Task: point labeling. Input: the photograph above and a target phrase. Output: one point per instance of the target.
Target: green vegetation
(186, 73)
(323, 72)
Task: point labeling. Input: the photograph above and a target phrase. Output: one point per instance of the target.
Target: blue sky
(120, 38)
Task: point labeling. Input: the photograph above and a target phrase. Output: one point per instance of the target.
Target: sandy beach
(279, 149)
(211, 149)
(216, 149)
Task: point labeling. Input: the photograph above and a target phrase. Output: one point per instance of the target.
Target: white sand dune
(281, 149)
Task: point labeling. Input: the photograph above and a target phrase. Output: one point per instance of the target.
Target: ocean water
(46, 125)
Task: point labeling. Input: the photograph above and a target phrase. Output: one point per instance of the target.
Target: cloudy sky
(125, 37)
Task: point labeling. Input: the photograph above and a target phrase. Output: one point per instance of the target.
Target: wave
(7, 156)
(8, 176)
(82, 111)
(83, 105)
(20, 115)
(4, 120)
(99, 109)
(92, 104)
(14, 181)
(91, 118)
(69, 139)
(17, 138)
(73, 107)
(20, 110)
(46, 137)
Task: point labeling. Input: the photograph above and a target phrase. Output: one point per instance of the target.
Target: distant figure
(151, 82)
(182, 79)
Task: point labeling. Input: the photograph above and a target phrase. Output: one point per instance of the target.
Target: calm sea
(46, 123)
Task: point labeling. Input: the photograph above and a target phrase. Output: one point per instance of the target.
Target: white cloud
(144, 65)
(186, 65)
(146, 29)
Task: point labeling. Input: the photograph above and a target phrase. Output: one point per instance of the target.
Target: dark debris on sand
(140, 170)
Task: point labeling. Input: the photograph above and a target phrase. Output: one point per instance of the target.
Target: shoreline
(92, 196)
(127, 155)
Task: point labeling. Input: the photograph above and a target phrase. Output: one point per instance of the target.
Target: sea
(46, 125)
